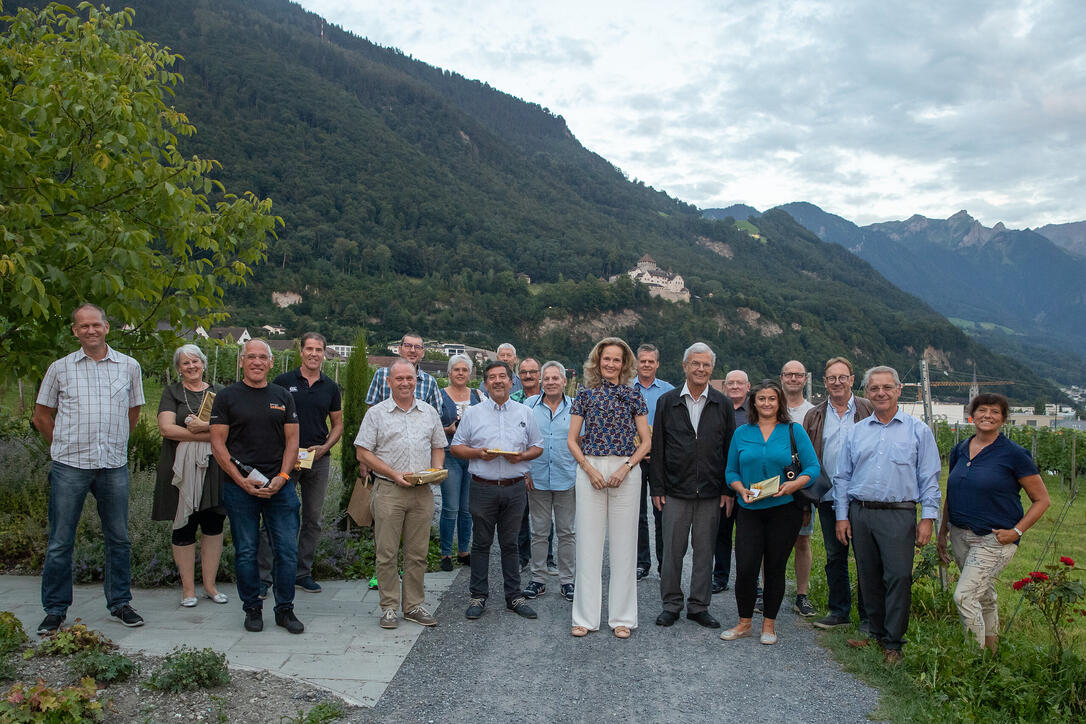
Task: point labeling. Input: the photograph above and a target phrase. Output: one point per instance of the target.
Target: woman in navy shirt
(765, 527)
(608, 485)
(984, 510)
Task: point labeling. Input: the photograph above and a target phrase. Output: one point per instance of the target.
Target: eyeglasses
(839, 378)
(406, 345)
(882, 388)
(793, 374)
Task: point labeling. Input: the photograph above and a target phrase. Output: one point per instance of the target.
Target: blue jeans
(280, 513)
(455, 493)
(68, 489)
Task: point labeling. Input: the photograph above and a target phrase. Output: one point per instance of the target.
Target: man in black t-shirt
(254, 424)
(317, 399)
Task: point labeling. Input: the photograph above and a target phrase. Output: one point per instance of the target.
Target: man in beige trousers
(399, 436)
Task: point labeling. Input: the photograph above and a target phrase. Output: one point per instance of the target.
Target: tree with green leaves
(97, 203)
(356, 381)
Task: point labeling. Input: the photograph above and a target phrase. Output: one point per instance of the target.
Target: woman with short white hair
(188, 486)
(455, 489)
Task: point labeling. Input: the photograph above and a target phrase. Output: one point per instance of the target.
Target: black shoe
(719, 587)
(446, 563)
(475, 608)
(567, 591)
(521, 608)
(803, 606)
(464, 560)
(703, 618)
(307, 584)
(254, 620)
(127, 616)
(263, 590)
(50, 623)
(642, 571)
(535, 590)
(666, 618)
(289, 621)
(831, 621)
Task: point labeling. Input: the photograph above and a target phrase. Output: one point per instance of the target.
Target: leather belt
(500, 483)
(880, 505)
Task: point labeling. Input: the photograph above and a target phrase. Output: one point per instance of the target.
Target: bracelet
(285, 476)
(1015, 529)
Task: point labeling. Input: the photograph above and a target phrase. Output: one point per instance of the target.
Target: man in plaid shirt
(87, 406)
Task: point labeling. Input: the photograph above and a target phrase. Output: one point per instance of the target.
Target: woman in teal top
(765, 528)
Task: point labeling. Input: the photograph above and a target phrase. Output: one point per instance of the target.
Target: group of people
(551, 476)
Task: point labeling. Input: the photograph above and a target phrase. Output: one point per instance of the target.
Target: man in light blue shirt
(651, 388)
(498, 495)
(551, 485)
(888, 464)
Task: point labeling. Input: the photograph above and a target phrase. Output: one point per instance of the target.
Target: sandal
(579, 631)
(622, 632)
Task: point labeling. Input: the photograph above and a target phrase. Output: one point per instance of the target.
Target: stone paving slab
(342, 650)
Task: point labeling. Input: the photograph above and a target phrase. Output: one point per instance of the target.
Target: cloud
(872, 110)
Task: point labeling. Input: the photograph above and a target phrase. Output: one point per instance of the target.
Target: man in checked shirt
(87, 406)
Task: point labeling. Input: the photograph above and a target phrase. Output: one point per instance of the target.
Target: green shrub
(103, 667)
(144, 445)
(323, 712)
(43, 705)
(12, 635)
(68, 640)
(187, 668)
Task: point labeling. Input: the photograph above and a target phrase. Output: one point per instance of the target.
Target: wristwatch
(628, 464)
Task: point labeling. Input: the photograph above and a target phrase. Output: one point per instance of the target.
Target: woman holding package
(188, 486)
(766, 525)
(982, 513)
(608, 486)
(455, 516)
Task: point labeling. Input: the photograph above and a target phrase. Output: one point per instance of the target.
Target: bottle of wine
(250, 472)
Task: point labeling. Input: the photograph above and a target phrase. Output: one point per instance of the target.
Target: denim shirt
(555, 469)
(448, 410)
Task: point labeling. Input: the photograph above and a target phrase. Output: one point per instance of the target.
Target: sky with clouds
(871, 110)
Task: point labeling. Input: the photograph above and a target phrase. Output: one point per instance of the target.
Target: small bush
(40, 703)
(12, 635)
(105, 668)
(323, 712)
(187, 668)
(73, 639)
(144, 445)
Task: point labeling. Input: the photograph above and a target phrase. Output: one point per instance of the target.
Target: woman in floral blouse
(608, 485)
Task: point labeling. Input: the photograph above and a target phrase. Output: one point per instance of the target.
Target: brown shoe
(420, 616)
(892, 656)
(858, 643)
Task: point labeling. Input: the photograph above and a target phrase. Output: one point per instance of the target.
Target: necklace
(186, 392)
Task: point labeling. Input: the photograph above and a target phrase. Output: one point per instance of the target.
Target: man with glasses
(426, 387)
(794, 381)
(254, 437)
(827, 424)
(888, 465)
(529, 378)
(736, 389)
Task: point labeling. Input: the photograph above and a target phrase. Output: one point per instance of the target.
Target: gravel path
(505, 668)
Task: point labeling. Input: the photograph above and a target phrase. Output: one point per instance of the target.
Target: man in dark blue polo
(317, 401)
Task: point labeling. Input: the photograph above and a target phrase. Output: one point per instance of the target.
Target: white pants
(981, 559)
(610, 511)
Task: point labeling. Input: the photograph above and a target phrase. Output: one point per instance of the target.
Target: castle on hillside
(664, 284)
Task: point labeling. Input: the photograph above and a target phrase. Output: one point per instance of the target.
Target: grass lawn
(931, 685)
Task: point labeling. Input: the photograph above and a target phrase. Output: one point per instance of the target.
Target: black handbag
(813, 493)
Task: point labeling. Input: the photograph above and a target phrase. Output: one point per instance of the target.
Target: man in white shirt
(794, 381)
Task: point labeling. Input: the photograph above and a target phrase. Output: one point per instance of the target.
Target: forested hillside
(413, 198)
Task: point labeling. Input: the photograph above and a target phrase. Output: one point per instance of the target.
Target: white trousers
(611, 514)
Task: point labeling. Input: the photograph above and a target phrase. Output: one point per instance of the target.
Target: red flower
(1019, 585)
(1067, 561)
(1038, 576)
